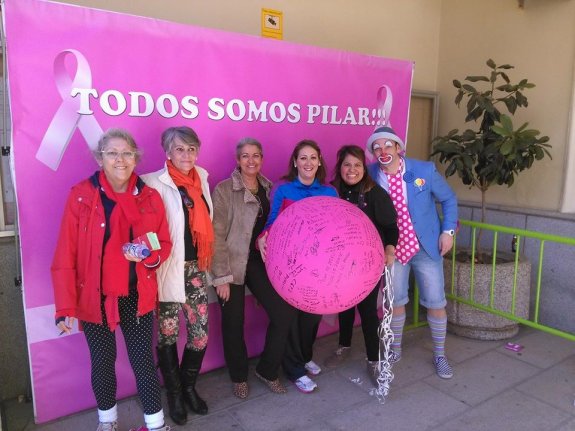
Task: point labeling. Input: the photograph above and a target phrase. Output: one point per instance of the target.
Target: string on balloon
(385, 375)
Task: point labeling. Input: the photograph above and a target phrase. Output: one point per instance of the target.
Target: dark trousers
(280, 315)
(137, 333)
(369, 324)
(299, 348)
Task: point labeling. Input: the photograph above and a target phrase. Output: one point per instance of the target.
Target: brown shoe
(275, 386)
(241, 390)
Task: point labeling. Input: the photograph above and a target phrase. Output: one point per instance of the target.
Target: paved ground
(492, 389)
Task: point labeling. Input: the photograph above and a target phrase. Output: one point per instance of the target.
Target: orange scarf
(199, 216)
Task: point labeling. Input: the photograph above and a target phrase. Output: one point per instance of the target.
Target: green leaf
(529, 85)
(506, 123)
(474, 115)
(499, 130)
(458, 97)
(476, 78)
(491, 64)
(471, 103)
(506, 148)
(521, 99)
(511, 104)
(494, 75)
(450, 170)
(456, 83)
(506, 66)
(505, 77)
(469, 88)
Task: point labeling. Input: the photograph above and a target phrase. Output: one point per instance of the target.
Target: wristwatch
(449, 232)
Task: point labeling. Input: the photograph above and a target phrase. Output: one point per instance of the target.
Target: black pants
(299, 348)
(138, 337)
(280, 315)
(369, 324)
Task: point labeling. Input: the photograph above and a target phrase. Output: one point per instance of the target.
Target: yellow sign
(272, 23)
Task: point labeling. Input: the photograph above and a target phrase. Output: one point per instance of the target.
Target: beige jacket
(235, 213)
(171, 272)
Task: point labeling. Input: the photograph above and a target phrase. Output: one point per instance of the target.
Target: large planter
(471, 322)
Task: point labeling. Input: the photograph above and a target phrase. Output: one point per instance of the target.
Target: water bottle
(139, 251)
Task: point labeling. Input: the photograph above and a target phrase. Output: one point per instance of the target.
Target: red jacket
(76, 268)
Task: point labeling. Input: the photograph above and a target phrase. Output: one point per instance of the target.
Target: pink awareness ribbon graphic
(384, 105)
(67, 117)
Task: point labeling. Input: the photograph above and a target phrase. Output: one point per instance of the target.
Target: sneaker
(442, 367)
(394, 357)
(312, 368)
(338, 357)
(108, 426)
(305, 384)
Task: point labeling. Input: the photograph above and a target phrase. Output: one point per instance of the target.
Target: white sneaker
(312, 368)
(108, 426)
(305, 384)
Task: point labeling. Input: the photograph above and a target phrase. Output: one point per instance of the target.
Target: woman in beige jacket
(241, 208)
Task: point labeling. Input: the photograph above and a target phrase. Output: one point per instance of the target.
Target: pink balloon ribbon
(68, 118)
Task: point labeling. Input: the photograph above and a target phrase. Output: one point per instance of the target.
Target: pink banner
(74, 72)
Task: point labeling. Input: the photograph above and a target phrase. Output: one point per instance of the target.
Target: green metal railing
(520, 235)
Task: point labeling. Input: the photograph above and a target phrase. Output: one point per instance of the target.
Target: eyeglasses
(113, 155)
(186, 199)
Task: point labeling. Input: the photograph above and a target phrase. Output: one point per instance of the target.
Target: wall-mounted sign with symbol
(272, 23)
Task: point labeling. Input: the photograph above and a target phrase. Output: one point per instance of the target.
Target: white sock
(155, 420)
(109, 415)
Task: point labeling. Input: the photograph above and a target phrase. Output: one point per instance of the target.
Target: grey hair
(248, 141)
(118, 134)
(183, 133)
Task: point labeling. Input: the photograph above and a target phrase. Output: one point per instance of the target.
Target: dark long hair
(321, 173)
(366, 183)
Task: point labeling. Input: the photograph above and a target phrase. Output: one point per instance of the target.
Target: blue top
(421, 201)
(294, 191)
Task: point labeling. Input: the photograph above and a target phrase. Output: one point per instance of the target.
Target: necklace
(253, 190)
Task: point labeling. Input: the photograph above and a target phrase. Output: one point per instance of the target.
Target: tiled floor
(492, 389)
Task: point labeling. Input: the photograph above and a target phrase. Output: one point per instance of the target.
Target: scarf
(199, 217)
(115, 267)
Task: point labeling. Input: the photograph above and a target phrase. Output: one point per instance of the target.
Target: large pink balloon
(324, 255)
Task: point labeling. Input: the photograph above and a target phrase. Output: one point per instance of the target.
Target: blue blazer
(422, 200)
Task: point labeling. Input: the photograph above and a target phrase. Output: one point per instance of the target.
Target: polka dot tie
(407, 244)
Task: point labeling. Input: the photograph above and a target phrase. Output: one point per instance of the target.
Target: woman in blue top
(306, 176)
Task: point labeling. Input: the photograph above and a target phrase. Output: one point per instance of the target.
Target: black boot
(190, 369)
(168, 359)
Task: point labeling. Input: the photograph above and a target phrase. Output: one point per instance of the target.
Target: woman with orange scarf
(182, 281)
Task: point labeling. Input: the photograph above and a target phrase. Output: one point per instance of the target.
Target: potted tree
(495, 152)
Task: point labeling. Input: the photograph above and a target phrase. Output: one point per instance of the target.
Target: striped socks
(438, 328)
(397, 323)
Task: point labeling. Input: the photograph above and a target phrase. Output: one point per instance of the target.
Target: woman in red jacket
(103, 287)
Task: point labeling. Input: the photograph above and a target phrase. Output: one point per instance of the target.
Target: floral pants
(195, 311)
